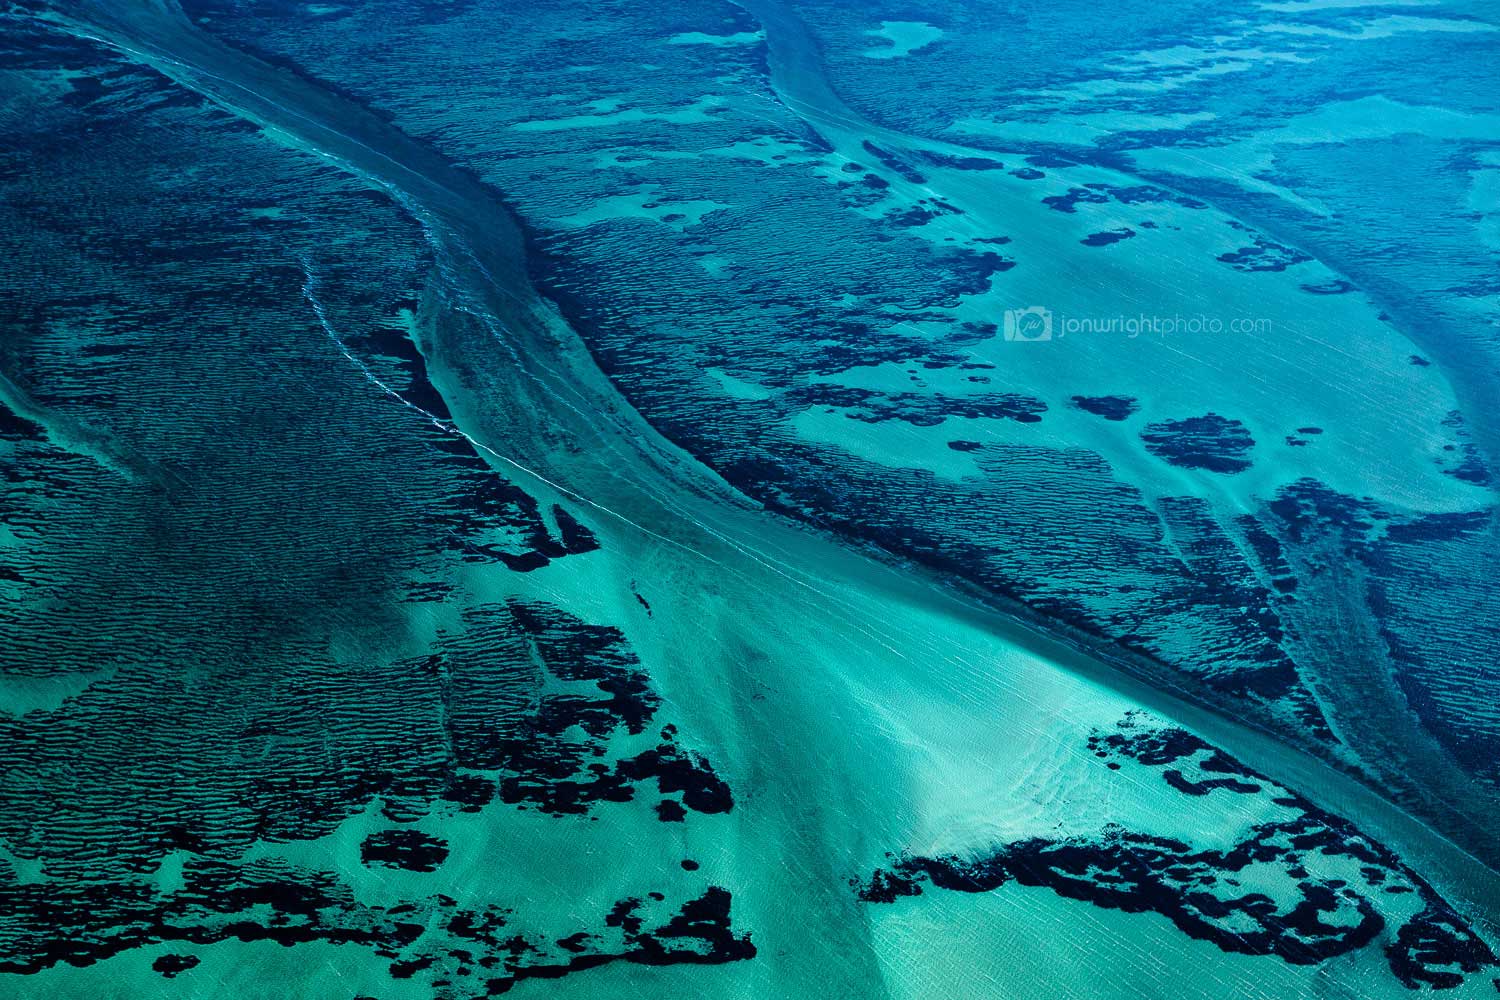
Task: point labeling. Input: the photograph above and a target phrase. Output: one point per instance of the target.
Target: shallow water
(548, 499)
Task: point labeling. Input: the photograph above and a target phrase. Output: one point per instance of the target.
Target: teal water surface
(759, 500)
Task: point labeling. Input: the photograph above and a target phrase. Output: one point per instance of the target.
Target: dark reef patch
(919, 409)
(1108, 407)
(1075, 196)
(959, 162)
(435, 937)
(171, 966)
(895, 162)
(1201, 891)
(1107, 237)
(1209, 442)
(1099, 193)
(1263, 255)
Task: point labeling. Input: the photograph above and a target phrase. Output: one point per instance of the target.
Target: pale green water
(856, 708)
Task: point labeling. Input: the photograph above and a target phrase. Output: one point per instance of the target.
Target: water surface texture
(776, 498)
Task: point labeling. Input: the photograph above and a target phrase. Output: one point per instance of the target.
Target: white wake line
(953, 657)
(851, 614)
(884, 639)
(777, 566)
(402, 198)
(941, 651)
(958, 661)
(769, 563)
(452, 428)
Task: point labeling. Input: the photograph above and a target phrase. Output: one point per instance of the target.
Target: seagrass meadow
(763, 499)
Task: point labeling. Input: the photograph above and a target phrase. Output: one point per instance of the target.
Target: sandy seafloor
(543, 500)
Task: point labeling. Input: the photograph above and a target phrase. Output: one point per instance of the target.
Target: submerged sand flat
(551, 500)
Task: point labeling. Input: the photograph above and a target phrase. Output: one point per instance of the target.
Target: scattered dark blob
(576, 539)
(170, 966)
(920, 409)
(1434, 948)
(394, 344)
(407, 968)
(965, 445)
(1028, 174)
(1336, 286)
(1419, 361)
(552, 750)
(679, 770)
(1309, 430)
(895, 162)
(411, 850)
(471, 791)
(911, 217)
(1210, 442)
(1199, 891)
(875, 181)
(1108, 407)
(1263, 255)
(1068, 202)
(1180, 782)
(434, 937)
(1295, 442)
(704, 920)
(970, 332)
(959, 162)
(1308, 509)
(689, 865)
(1099, 194)
(623, 915)
(1152, 746)
(1148, 194)
(1107, 237)
(576, 943)
(669, 811)
(1139, 873)
(563, 788)
(969, 271)
(490, 518)
(14, 427)
(1471, 467)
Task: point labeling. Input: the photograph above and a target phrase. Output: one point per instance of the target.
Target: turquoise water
(747, 500)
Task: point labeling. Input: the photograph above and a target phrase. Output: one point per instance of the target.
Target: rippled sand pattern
(762, 499)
